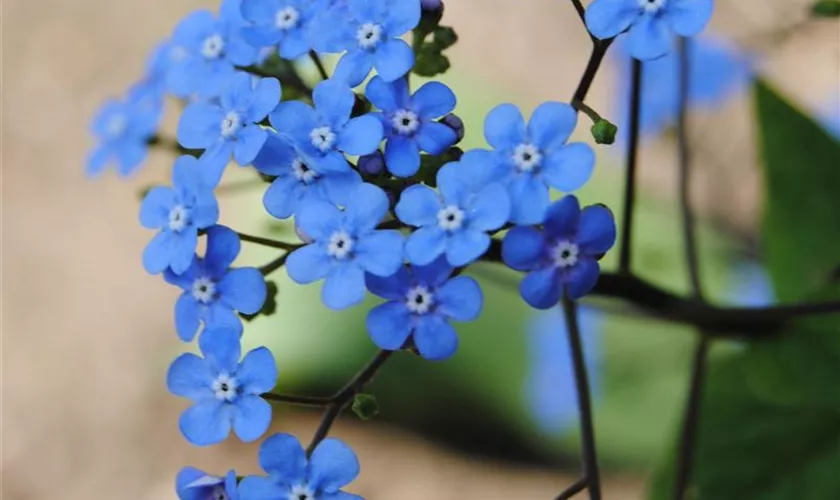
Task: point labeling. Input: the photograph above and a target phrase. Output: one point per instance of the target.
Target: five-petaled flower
(194, 484)
(369, 31)
(564, 255)
(409, 121)
(285, 24)
(123, 129)
(651, 23)
(226, 392)
(179, 212)
(231, 126)
(421, 300)
(325, 132)
(297, 181)
(346, 245)
(213, 292)
(454, 220)
(293, 476)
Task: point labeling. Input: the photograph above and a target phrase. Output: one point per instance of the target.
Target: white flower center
(652, 6)
(323, 138)
(213, 46)
(419, 300)
(116, 125)
(405, 122)
(204, 290)
(231, 123)
(565, 254)
(179, 217)
(225, 387)
(302, 171)
(287, 18)
(369, 36)
(527, 157)
(301, 492)
(341, 244)
(219, 493)
(450, 218)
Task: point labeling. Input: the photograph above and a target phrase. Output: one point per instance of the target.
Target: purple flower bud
(455, 123)
(431, 5)
(372, 164)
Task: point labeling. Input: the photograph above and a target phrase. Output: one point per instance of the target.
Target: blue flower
(369, 31)
(550, 389)
(226, 392)
(297, 180)
(231, 126)
(193, 484)
(409, 121)
(209, 49)
(535, 157)
(421, 300)
(345, 245)
(179, 212)
(213, 292)
(123, 129)
(651, 23)
(291, 475)
(718, 71)
(283, 23)
(455, 220)
(327, 131)
(564, 255)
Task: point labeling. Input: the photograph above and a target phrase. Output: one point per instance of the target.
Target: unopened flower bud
(604, 132)
(372, 164)
(455, 123)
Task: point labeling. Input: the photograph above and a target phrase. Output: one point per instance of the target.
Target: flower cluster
(382, 199)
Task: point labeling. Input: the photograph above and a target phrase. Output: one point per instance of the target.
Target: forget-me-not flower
(369, 31)
(123, 129)
(293, 476)
(455, 220)
(297, 180)
(178, 212)
(231, 126)
(213, 291)
(345, 245)
(534, 157)
(421, 301)
(282, 23)
(194, 484)
(651, 23)
(564, 255)
(409, 121)
(209, 49)
(327, 131)
(225, 391)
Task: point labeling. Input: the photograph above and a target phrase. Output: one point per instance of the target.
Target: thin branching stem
(625, 248)
(297, 400)
(316, 59)
(268, 242)
(274, 264)
(573, 490)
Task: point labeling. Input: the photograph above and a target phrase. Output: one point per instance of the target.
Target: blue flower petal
(570, 167)
(649, 38)
(186, 317)
(402, 156)
(551, 125)
(264, 99)
(597, 232)
(200, 125)
(344, 287)
(243, 290)
(366, 208)
(435, 138)
(435, 338)
(282, 456)
(563, 217)
(361, 136)
(206, 423)
(319, 219)
(466, 246)
(158, 252)
(294, 119)
(258, 487)
(185, 480)
(251, 418)
(332, 465)
(221, 349)
(223, 247)
(334, 101)
(433, 275)
(381, 253)
(393, 59)
(394, 287)
(339, 187)
(248, 144)
(154, 212)
(374, 10)
(542, 289)
(523, 248)
(504, 127)
(308, 264)
(353, 67)
(388, 96)
(257, 373)
(460, 299)
(403, 17)
(183, 250)
(219, 315)
(529, 199)
(283, 196)
(419, 206)
(295, 45)
(333, 162)
(608, 18)
(425, 245)
(389, 325)
(190, 377)
(490, 209)
(688, 17)
(205, 213)
(433, 100)
(582, 277)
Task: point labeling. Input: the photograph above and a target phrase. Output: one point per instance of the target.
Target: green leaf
(270, 306)
(826, 8)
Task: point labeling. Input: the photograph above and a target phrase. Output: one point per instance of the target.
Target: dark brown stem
(625, 248)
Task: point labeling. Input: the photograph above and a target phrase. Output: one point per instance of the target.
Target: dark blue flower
(291, 475)
(564, 255)
(327, 131)
(651, 23)
(421, 301)
(409, 121)
(297, 180)
(369, 31)
(535, 157)
(454, 220)
(213, 291)
(231, 125)
(282, 23)
(208, 50)
(345, 245)
(123, 129)
(194, 484)
(226, 392)
(179, 212)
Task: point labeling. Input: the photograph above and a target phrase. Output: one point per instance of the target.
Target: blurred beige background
(86, 334)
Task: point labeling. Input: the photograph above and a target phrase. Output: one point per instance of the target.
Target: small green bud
(365, 406)
(826, 8)
(604, 131)
(431, 63)
(444, 38)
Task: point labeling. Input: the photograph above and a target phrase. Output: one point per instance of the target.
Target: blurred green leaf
(826, 8)
(270, 306)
